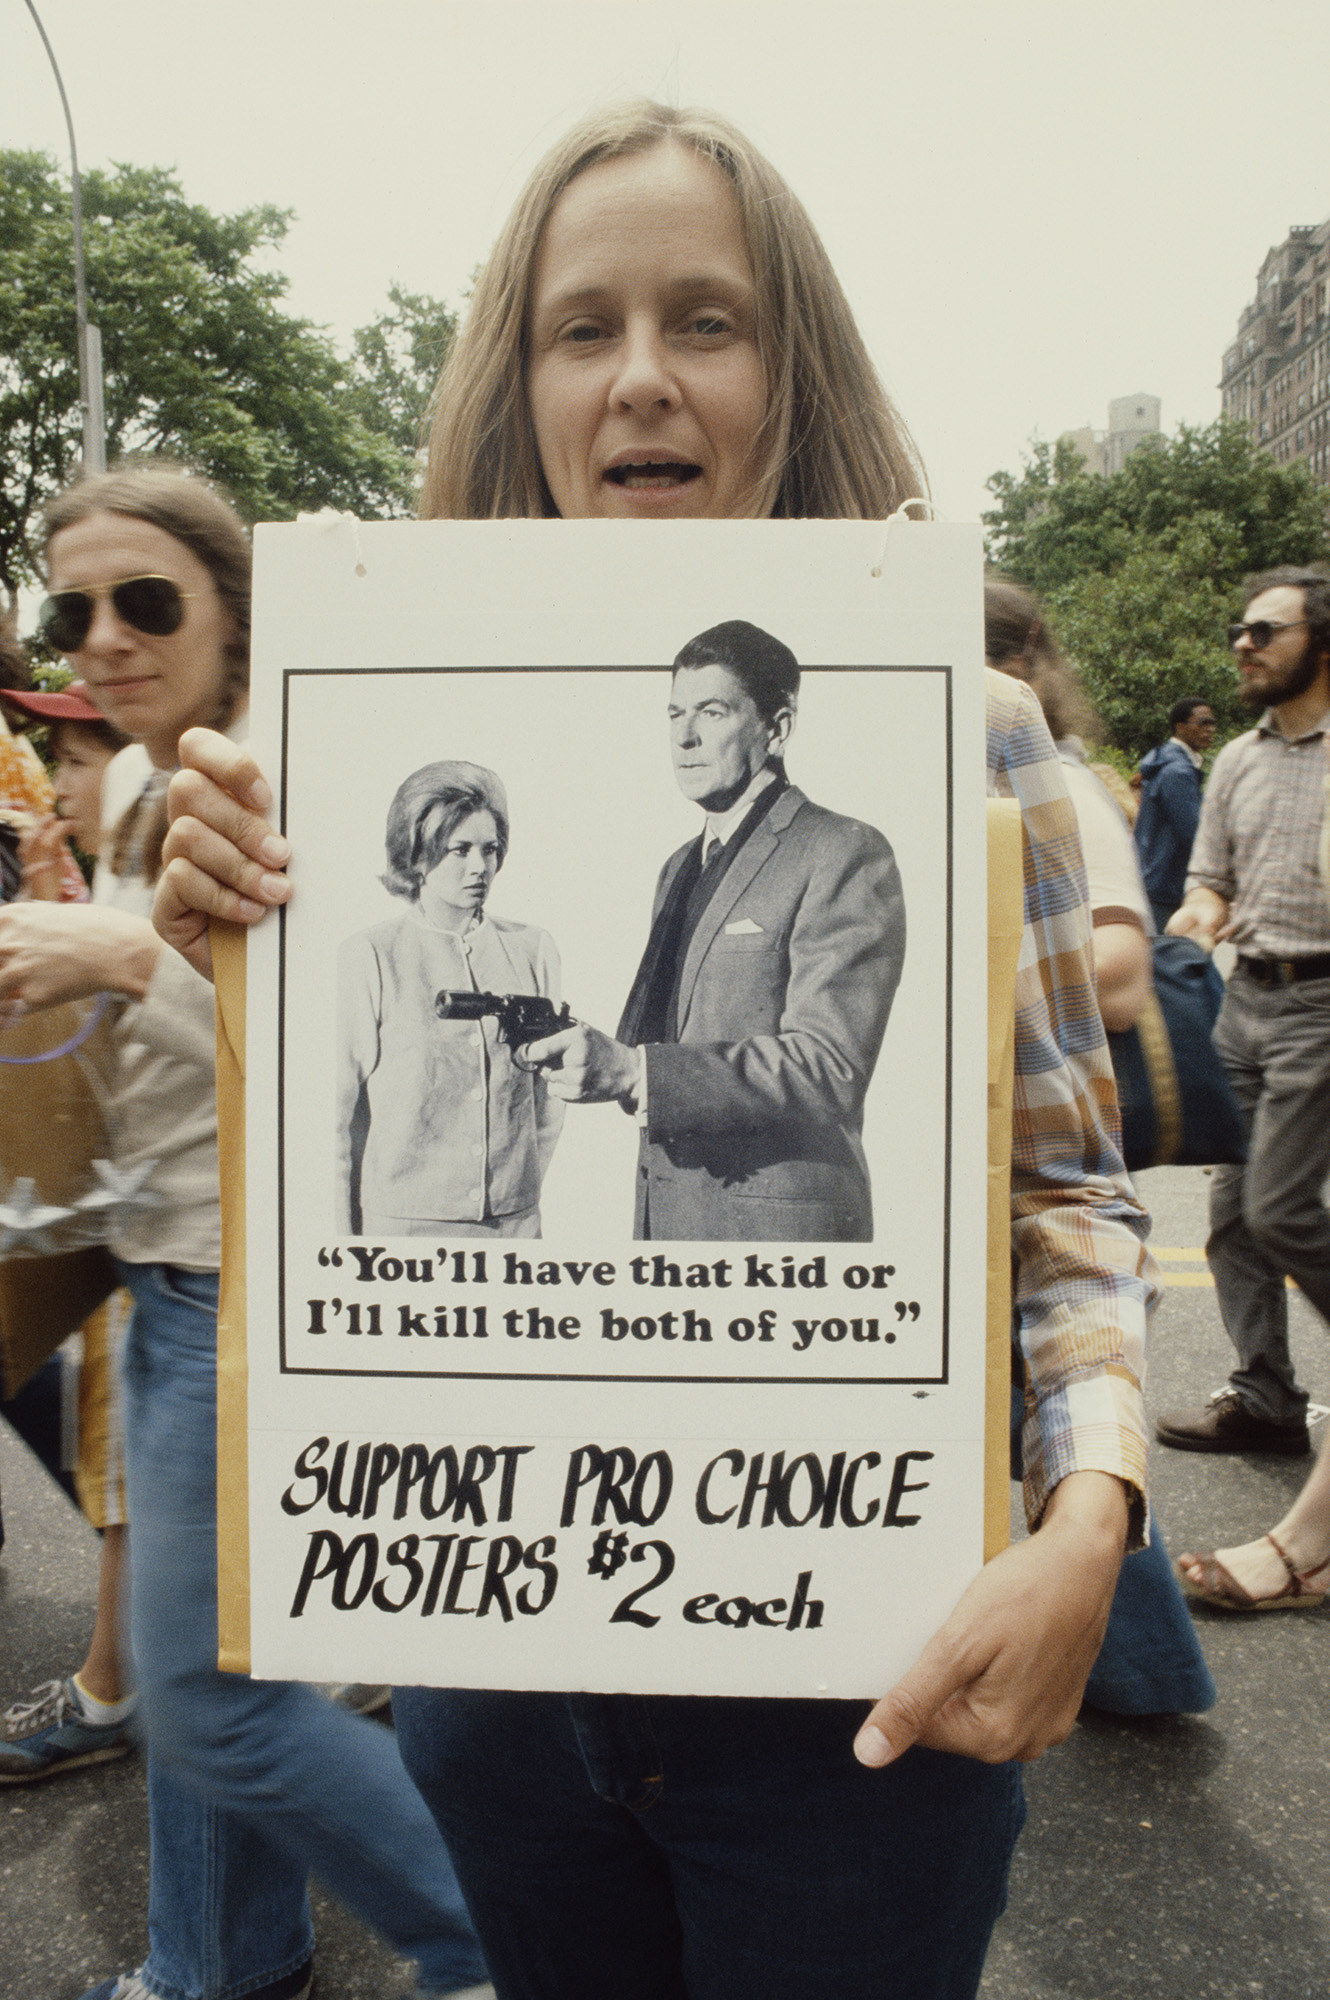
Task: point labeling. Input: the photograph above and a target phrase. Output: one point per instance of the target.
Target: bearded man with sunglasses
(1254, 878)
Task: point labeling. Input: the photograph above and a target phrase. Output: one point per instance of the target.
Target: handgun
(521, 1017)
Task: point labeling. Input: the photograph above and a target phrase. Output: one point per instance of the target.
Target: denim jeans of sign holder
(251, 1784)
(616, 1847)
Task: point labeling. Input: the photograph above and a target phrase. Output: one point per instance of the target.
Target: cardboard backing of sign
(1005, 906)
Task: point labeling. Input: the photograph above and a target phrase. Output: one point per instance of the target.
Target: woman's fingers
(41, 853)
(210, 827)
(60, 951)
(183, 924)
(217, 803)
(218, 868)
(220, 856)
(228, 765)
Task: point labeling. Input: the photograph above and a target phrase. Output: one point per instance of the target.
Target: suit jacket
(754, 1114)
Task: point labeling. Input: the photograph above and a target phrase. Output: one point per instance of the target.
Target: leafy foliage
(201, 360)
(1141, 572)
(396, 365)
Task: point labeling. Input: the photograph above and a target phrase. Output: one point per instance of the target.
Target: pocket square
(743, 927)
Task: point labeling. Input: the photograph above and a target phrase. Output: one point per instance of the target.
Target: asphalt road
(1187, 1858)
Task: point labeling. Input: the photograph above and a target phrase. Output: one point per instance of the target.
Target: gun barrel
(464, 1006)
(522, 1017)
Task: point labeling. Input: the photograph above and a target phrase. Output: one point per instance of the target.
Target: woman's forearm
(1123, 981)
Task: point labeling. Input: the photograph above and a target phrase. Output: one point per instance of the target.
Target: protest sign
(710, 1458)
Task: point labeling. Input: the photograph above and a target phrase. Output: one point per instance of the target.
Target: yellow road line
(1167, 1255)
(1201, 1277)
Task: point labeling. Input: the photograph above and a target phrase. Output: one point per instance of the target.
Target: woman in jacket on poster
(658, 335)
(251, 1784)
(442, 1128)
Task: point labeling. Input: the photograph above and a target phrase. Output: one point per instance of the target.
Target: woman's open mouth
(653, 472)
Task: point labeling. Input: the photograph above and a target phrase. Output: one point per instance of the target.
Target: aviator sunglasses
(1261, 631)
(153, 605)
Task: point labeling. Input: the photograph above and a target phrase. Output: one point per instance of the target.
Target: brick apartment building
(1276, 375)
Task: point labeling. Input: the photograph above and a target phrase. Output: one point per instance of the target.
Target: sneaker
(297, 1985)
(50, 1732)
(1226, 1424)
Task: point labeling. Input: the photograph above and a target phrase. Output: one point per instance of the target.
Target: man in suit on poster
(754, 1022)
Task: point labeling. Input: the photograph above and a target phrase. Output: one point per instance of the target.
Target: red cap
(67, 704)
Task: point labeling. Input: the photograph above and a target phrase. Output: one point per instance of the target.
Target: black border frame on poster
(286, 1367)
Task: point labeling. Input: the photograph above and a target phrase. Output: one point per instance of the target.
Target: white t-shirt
(163, 1109)
(1110, 853)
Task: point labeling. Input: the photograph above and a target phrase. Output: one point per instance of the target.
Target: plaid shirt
(1257, 842)
(1084, 1280)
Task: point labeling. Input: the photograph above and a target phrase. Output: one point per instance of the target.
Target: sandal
(1220, 1588)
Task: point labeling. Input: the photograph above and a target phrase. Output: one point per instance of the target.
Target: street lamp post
(89, 337)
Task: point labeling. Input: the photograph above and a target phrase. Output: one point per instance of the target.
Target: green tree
(201, 360)
(395, 364)
(1141, 572)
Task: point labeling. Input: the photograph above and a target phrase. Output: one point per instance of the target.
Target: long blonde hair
(835, 446)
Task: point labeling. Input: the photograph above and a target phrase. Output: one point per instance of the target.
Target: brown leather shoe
(1226, 1424)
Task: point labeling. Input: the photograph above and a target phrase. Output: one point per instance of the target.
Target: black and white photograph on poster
(616, 1104)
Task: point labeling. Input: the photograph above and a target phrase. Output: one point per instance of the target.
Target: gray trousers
(1267, 1218)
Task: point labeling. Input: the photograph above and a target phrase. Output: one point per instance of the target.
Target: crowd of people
(657, 334)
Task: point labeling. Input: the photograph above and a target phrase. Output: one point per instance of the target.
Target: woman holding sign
(251, 1784)
(659, 335)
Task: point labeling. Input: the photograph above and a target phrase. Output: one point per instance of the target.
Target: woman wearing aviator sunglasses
(148, 639)
(154, 605)
(162, 641)
(250, 1785)
(659, 335)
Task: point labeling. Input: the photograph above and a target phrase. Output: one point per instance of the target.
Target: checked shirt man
(1254, 878)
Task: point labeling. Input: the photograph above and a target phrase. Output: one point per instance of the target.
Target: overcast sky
(1033, 206)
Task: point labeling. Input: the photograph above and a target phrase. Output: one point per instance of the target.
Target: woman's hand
(63, 951)
(42, 853)
(221, 858)
(1004, 1676)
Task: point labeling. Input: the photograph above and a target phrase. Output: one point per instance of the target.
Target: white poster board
(586, 1461)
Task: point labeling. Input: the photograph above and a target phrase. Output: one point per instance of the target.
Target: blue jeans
(615, 1847)
(251, 1784)
(1151, 1661)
